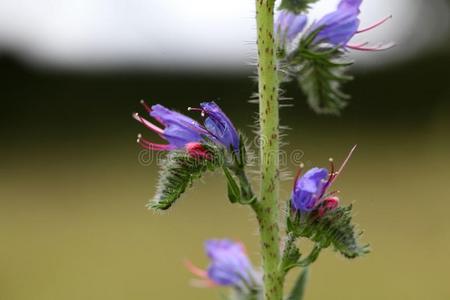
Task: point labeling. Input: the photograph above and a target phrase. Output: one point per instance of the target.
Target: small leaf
(178, 172)
(298, 290)
(296, 6)
(234, 193)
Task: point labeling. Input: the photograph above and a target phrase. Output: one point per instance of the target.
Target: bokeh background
(72, 190)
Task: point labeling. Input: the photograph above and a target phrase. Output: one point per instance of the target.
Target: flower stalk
(267, 207)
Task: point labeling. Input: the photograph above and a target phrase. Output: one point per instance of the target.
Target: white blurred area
(213, 35)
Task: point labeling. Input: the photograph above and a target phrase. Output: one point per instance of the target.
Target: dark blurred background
(73, 223)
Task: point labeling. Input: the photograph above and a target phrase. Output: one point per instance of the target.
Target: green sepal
(239, 189)
(242, 161)
(238, 193)
(245, 294)
(334, 229)
(312, 257)
(296, 6)
(298, 291)
(234, 193)
(178, 172)
(291, 256)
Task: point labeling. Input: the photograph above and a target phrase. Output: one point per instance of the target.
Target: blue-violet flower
(180, 130)
(219, 125)
(229, 266)
(336, 28)
(310, 190)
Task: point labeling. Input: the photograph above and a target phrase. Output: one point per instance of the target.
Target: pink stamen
(332, 193)
(361, 45)
(374, 25)
(344, 163)
(333, 175)
(195, 270)
(148, 124)
(376, 48)
(147, 108)
(299, 172)
(152, 146)
(204, 283)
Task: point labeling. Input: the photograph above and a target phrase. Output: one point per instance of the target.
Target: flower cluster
(316, 214)
(336, 28)
(229, 267)
(181, 131)
(193, 149)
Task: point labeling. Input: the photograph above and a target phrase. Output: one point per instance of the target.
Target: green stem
(267, 208)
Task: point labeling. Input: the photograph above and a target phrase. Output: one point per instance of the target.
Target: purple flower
(340, 26)
(220, 126)
(180, 130)
(310, 190)
(336, 28)
(289, 25)
(229, 265)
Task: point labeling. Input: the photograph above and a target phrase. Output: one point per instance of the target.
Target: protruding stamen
(332, 193)
(152, 146)
(381, 47)
(299, 172)
(203, 283)
(360, 45)
(147, 108)
(147, 124)
(374, 25)
(202, 112)
(195, 270)
(344, 163)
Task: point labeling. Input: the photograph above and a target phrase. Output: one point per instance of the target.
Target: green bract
(178, 172)
(334, 228)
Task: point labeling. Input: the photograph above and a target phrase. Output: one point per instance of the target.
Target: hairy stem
(267, 207)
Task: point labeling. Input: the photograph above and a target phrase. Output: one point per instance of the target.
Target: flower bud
(197, 150)
(327, 205)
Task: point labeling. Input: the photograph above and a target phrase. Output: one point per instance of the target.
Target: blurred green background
(73, 223)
